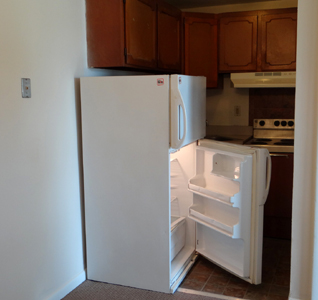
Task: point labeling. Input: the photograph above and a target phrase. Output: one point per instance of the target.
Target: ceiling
(202, 3)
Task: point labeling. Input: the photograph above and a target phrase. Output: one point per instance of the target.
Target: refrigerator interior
(181, 169)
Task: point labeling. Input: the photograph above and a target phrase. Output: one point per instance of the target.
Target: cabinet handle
(279, 155)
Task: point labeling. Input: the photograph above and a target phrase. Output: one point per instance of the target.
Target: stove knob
(261, 123)
(284, 123)
(276, 123)
(290, 123)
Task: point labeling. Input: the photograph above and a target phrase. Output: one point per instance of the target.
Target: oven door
(278, 207)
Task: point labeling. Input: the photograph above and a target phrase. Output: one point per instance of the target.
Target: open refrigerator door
(218, 191)
(229, 190)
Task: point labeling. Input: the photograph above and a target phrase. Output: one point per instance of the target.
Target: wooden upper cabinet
(200, 47)
(169, 37)
(141, 33)
(105, 33)
(238, 43)
(258, 41)
(278, 41)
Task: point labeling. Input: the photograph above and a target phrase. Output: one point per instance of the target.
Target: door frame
(304, 253)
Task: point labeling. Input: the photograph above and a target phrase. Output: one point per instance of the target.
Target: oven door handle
(279, 155)
(268, 175)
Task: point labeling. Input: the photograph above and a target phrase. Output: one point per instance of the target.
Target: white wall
(41, 251)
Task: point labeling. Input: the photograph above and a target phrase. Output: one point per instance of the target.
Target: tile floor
(207, 277)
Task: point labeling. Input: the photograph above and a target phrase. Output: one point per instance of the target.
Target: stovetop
(277, 135)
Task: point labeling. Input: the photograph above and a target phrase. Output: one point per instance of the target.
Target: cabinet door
(169, 37)
(238, 43)
(141, 35)
(200, 48)
(105, 33)
(278, 38)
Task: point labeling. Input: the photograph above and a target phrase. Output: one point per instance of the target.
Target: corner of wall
(68, 287)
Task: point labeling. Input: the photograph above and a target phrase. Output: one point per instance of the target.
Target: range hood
(264, 79)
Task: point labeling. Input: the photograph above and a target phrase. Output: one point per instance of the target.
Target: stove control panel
(274, 124)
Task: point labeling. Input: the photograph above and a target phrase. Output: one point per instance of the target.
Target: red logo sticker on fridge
(180, 80)
(160, 81)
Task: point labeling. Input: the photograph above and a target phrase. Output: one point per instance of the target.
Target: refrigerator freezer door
(187, 105)
(228, 206)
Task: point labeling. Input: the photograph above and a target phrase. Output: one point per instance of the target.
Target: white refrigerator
(156, 195)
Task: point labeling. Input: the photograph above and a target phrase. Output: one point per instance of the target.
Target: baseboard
(68, 287)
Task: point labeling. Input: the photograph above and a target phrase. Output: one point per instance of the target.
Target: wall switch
(237, 110)
(26, 87)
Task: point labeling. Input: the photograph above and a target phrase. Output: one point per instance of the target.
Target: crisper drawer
(178, 235)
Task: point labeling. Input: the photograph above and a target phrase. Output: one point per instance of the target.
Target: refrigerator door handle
(268, 175)
(178, 110)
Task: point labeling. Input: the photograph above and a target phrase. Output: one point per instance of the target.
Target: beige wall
(42, 245)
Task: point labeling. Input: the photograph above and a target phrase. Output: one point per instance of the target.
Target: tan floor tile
(219, 280)
(214, 288)
(200, 277)
(202, 268)
(192, 285)
(252, 295)
(220, 272)
(260, 288)
(238, 283)
(234, 292)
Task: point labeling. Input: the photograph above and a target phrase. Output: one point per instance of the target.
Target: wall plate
(26, 87)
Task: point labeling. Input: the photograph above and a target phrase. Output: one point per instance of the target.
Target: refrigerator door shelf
(211, 187)
(216, 216)
(218, 175)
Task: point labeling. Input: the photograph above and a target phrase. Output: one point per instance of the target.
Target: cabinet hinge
(197, 242)
(125, 52)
